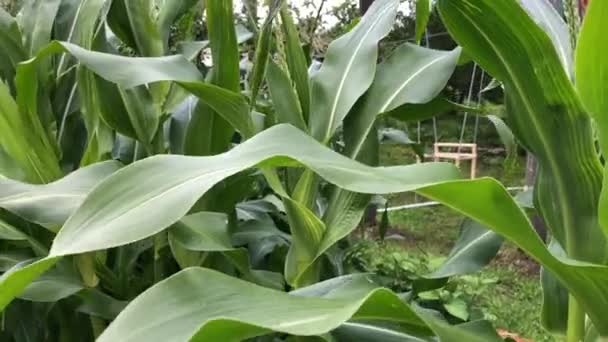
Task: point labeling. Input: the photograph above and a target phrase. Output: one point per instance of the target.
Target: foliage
(227, 217)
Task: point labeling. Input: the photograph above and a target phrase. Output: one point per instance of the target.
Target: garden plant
(146, 198)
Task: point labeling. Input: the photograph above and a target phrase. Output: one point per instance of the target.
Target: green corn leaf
(51, 204)
(348, 69)
(23, 138)
(169, 12)
(423, 14)
(56, 284)
(12, 50)
(114, 217)
(8, 232)
(11, 257)
(208, 232)
(36, 20)
(142, 113)
(591, 82)
(133, 22)
(285, 100)
(110, 207)
(436, 107)
(423, 73)
(129, 72)
(14, 281)
(296, 61)
(476, 247)
(545, 114)
(100, 140)
(98, 304)
(262, 51)
(225, 74)
(253, 311)
(77, 23)
(546, 16)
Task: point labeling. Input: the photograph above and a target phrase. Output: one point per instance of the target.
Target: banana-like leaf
(592, 82)
(285, 100)
(296, 61)
(423, 14)
(36, 20)
(235, 310)
(24, 139)
(546, 16)
(51, 204)
(348, 69)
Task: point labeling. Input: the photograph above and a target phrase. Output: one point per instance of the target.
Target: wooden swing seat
(457, 152)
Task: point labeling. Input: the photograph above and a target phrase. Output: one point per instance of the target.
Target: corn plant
(144, 200)
(554, 95)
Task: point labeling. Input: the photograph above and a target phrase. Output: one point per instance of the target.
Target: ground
(507, 291)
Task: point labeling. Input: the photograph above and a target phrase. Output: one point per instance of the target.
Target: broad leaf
(296, 61)
(208, 122)
(23, 138)
(262, 49)
(12, 50)
(129, 72)
(285, 100)
(51, 204)
(546, 16)
(423, 73)
(169, 12)
(591, 81)
(208, 232)
(133, 22)
(476, 247)
(545, 114)
(36, 20)
(115, 217)
(237, 310)
(423, 14)
(348, 69)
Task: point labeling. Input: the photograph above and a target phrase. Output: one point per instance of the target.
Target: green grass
(513, 300)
